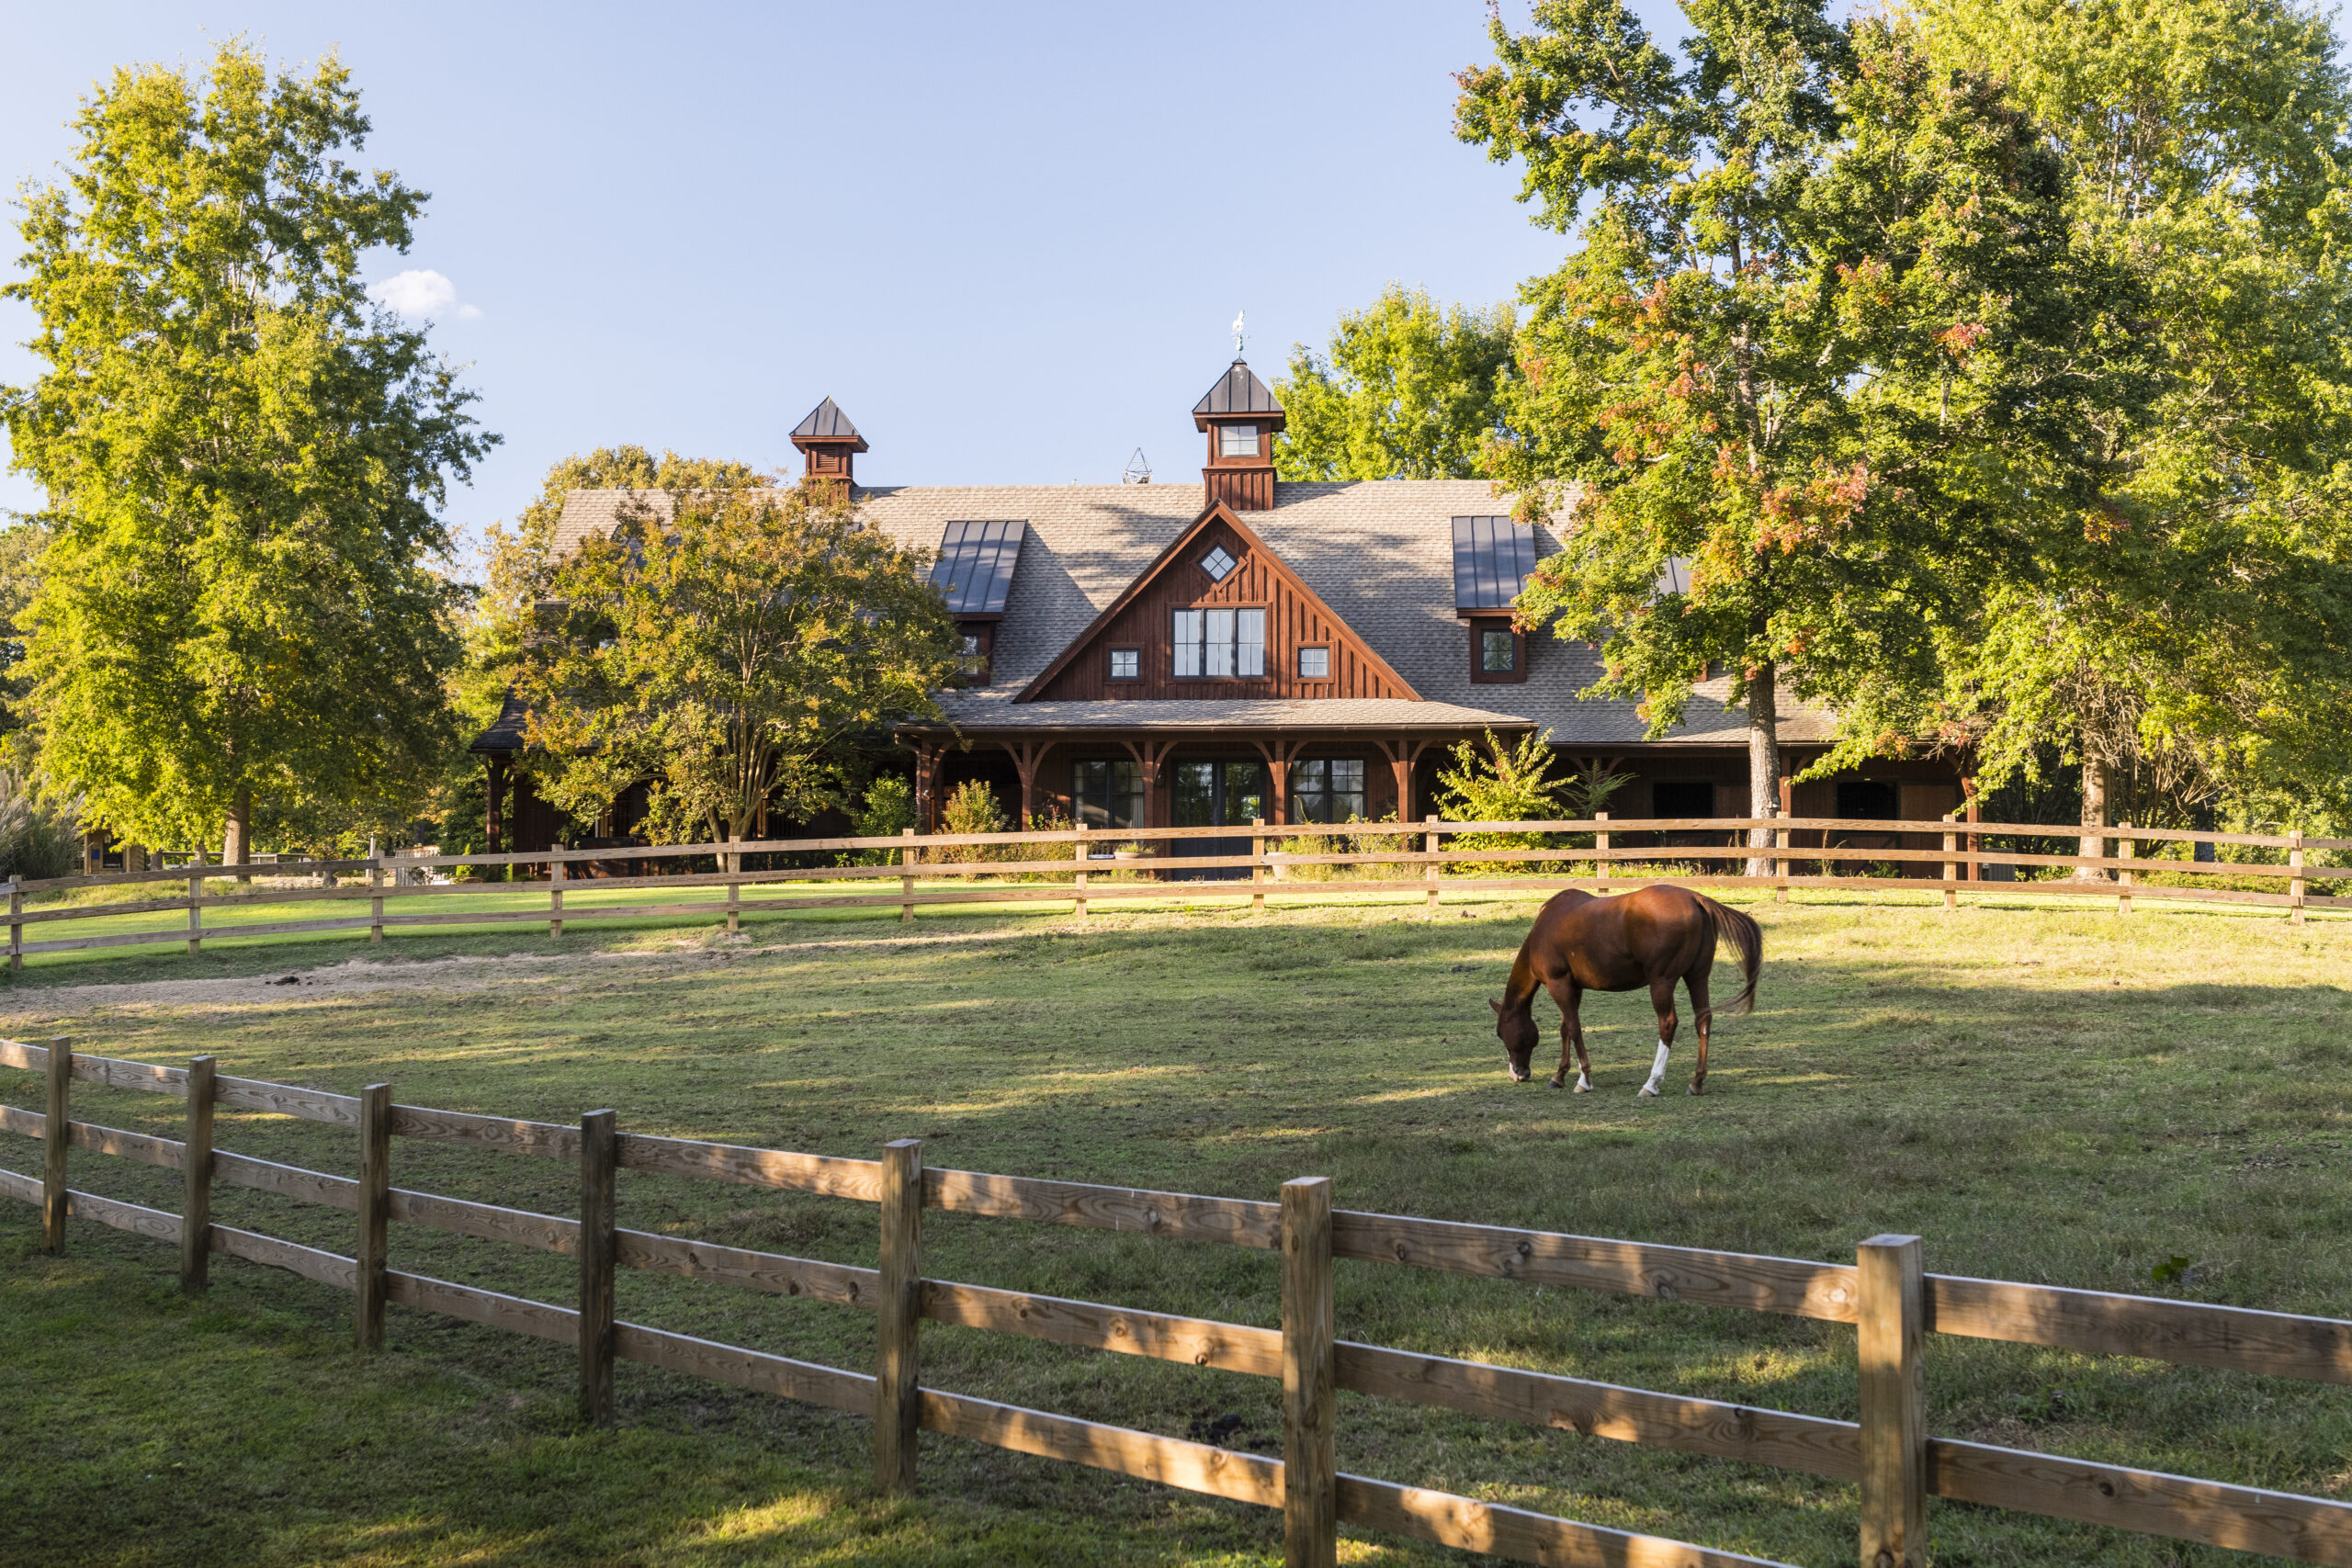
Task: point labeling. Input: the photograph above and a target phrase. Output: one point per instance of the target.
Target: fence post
(1601, 848)
(1890, 1334)
(1257, 865)
(1952, 869)
(599, 1157)
(16, 922)
(1310, 1377)
(897, 1371)
(555, 895)
(2125, 849)
(375, 1211)
(907, 880)
(1429, 846)
(1080, 857)
(1781, 866)
(196, 1180)
(194, 908)
(2295, 883)
(734, 889)
(375, 898)
(57, 1134)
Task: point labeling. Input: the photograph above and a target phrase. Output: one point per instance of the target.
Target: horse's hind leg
(1703, 1016)
(1571, 997)
(1662, 1000)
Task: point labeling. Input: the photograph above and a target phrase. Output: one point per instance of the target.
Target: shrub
(885, 810)
(971, 808)
(35, 841)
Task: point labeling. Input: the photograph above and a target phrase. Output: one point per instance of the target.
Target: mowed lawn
(2053, 1094)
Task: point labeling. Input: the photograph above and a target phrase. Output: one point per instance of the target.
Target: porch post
(927, 759)
(495, 825)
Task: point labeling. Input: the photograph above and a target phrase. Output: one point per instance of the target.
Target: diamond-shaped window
(1218, 565)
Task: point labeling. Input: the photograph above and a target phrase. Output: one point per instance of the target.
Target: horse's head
(1516, 1028)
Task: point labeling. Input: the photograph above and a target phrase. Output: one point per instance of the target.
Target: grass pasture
(2055, 1095)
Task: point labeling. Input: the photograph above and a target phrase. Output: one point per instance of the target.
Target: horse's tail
(1747, 938)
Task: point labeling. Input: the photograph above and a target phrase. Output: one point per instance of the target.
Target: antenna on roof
(1237, 332)
(1138, 471)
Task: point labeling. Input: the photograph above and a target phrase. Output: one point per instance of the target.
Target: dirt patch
(445, 976)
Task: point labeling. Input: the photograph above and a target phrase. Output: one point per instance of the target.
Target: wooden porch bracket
(1026, 755)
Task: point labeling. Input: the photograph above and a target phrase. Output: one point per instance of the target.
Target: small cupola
(1240, 417)
(831, 443)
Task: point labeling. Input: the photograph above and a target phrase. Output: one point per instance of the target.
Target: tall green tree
(244, 460)
(732, 646)
(2197, 633)
(1822, 337)
(1407, 389)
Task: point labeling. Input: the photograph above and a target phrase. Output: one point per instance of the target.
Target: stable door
(1218, 794)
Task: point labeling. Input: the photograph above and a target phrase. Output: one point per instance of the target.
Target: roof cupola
(1240, 417)
(831, 443)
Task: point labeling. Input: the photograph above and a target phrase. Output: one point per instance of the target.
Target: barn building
(1152, 655)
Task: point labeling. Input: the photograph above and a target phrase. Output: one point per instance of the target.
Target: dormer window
(1218, 564)
(1236, 441)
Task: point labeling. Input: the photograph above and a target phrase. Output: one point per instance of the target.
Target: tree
(1409, 391)
(245, 461)
(1822, 338)
(2198, 633)
(732, 646)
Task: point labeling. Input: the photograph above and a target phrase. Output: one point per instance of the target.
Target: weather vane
(1237, 318)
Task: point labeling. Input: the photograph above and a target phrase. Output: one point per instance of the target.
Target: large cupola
(1240, 417)
(831, 443)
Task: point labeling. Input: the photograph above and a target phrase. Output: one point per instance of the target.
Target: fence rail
(1956, 860)
(1886, 1293)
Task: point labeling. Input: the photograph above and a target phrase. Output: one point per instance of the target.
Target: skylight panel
(1493, 558)
(975, 565)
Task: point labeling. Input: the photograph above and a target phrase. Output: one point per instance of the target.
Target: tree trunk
(2094, 816)
(1763, 760)
(237, 844)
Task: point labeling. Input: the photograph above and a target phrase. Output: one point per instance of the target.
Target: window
(1681, 800)
(1218, 565)
(1327, 789)
(1108, 795)
(1220, 643)
(1127, 663)
(1236, 440)
(972, 655)
(1313, 663)
(1498, 652)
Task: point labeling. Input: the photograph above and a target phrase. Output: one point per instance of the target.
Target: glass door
(1217, 794)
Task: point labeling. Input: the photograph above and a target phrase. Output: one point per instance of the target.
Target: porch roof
(1326, 714)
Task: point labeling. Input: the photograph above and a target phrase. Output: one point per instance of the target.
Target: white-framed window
(1127, 663)
(1220, 643)
(1236, 440)
(1313, 663)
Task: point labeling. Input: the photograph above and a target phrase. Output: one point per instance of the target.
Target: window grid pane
(1127, 663)
(1496, 653)
(1220, 642)
(1237, 440)
(1250, 633)
(1188, 642)
(1315, 663)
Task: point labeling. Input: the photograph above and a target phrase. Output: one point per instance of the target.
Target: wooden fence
(1885, 1293)
(1077, 860)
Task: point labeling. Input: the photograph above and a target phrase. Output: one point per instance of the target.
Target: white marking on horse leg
(1658, 1072)
(1584, 1081)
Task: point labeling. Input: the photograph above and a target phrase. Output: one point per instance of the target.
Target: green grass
(2044, 1094)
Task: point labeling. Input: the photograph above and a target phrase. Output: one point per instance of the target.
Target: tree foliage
(732, 646)
(1823, 337)
(2197, 633)
(1407, 389)
(245, 461)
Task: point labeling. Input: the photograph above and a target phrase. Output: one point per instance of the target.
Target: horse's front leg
(1662, 1001)
(1570, 998)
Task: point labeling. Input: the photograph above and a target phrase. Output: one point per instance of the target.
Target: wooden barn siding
(1292, 620)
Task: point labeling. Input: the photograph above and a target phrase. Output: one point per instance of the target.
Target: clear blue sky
(1008, 238)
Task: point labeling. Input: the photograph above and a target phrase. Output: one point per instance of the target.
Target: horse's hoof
(1645, 1092)
(1584, 1086)
(1695, 1089)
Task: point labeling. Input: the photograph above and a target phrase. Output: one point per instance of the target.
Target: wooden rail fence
(1886, 1293)
(1082, 857)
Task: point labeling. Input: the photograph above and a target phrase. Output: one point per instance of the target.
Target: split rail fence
(1083, 858)
(1886, 1293)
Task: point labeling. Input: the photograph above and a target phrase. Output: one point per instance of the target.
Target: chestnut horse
(1653, 936)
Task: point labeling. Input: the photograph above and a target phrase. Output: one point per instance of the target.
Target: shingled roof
(1379, 552)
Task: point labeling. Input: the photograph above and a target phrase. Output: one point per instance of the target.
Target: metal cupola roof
(827, 422)
(1237, 391)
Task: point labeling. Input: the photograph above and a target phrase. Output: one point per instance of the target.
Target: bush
(971, 808)
(886, 810)
(35, 841)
